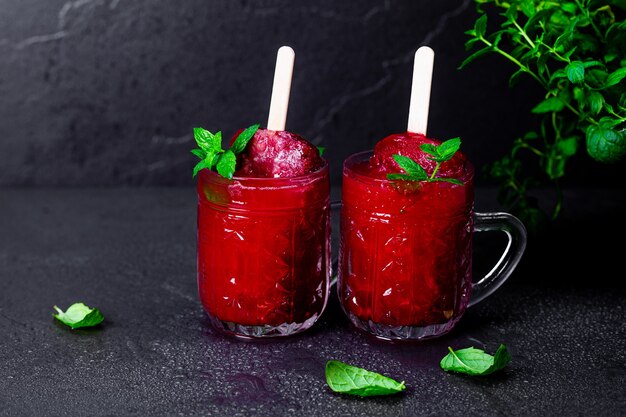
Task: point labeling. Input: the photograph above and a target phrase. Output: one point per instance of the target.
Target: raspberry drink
(405, 262)
(263, 224)
(263, 242)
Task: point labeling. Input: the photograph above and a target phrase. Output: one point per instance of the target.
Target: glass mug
(405, 261)
(263, 252)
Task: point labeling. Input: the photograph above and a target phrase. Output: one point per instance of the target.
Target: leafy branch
(575, 51)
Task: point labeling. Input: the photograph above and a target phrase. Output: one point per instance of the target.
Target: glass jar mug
(405, 262)
(263, 252)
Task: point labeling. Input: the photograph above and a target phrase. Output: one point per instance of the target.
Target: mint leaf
(411, 167)
(480, 27)
(552, 104)
(79, 315)
(450, 180)
(575, 72)
(226, 164)
(430, 149)
(200, 166)
(208, 141)
(568, 146)
(348, 379)
(402, 177)
(605, 145)
(199, 153)
(321, 150)
(596, 101)
(615, 77)
(475, 362)
(242, 140)
(447, 149)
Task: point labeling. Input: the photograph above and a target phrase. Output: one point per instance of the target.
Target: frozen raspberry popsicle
(278, 154)
(409, 144)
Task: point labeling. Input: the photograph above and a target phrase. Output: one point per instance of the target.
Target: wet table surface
(131, 253)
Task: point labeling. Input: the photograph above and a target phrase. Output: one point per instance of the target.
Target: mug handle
(516, 233)
(334, 272)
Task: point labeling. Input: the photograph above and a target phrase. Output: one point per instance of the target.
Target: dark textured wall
(107, 91)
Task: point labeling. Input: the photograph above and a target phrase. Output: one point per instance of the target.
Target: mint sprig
(212, 155)
(476, 362)
(439, 153)
(79, 315)
(348, 379)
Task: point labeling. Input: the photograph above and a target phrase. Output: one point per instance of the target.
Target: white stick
(420, 91)
(281, 89)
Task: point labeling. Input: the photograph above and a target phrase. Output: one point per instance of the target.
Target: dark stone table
(131, 253)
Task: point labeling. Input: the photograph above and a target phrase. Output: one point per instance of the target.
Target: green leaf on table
(348, 379)
(208, 141)
(242, 140)
(575, 72)
(321, 150)
(79, 315)
(226, 164)
(472, 361)
(552, 104)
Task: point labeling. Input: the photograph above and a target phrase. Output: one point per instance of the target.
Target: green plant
(576, 51)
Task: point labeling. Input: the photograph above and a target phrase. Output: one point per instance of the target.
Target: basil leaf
(575, 72)
(226, 164)
(552, 104)
(79, 315)
(208, 141)
(243, 138)
(348, 379)
(472, 361)
(411, 167)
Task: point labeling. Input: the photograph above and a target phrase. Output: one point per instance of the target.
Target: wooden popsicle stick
(420, 90)
(282, 87)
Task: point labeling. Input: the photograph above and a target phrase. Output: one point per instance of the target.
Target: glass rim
(272, 182)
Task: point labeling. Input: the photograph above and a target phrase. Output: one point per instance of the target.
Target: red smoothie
(405, 257)
(263, 240)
